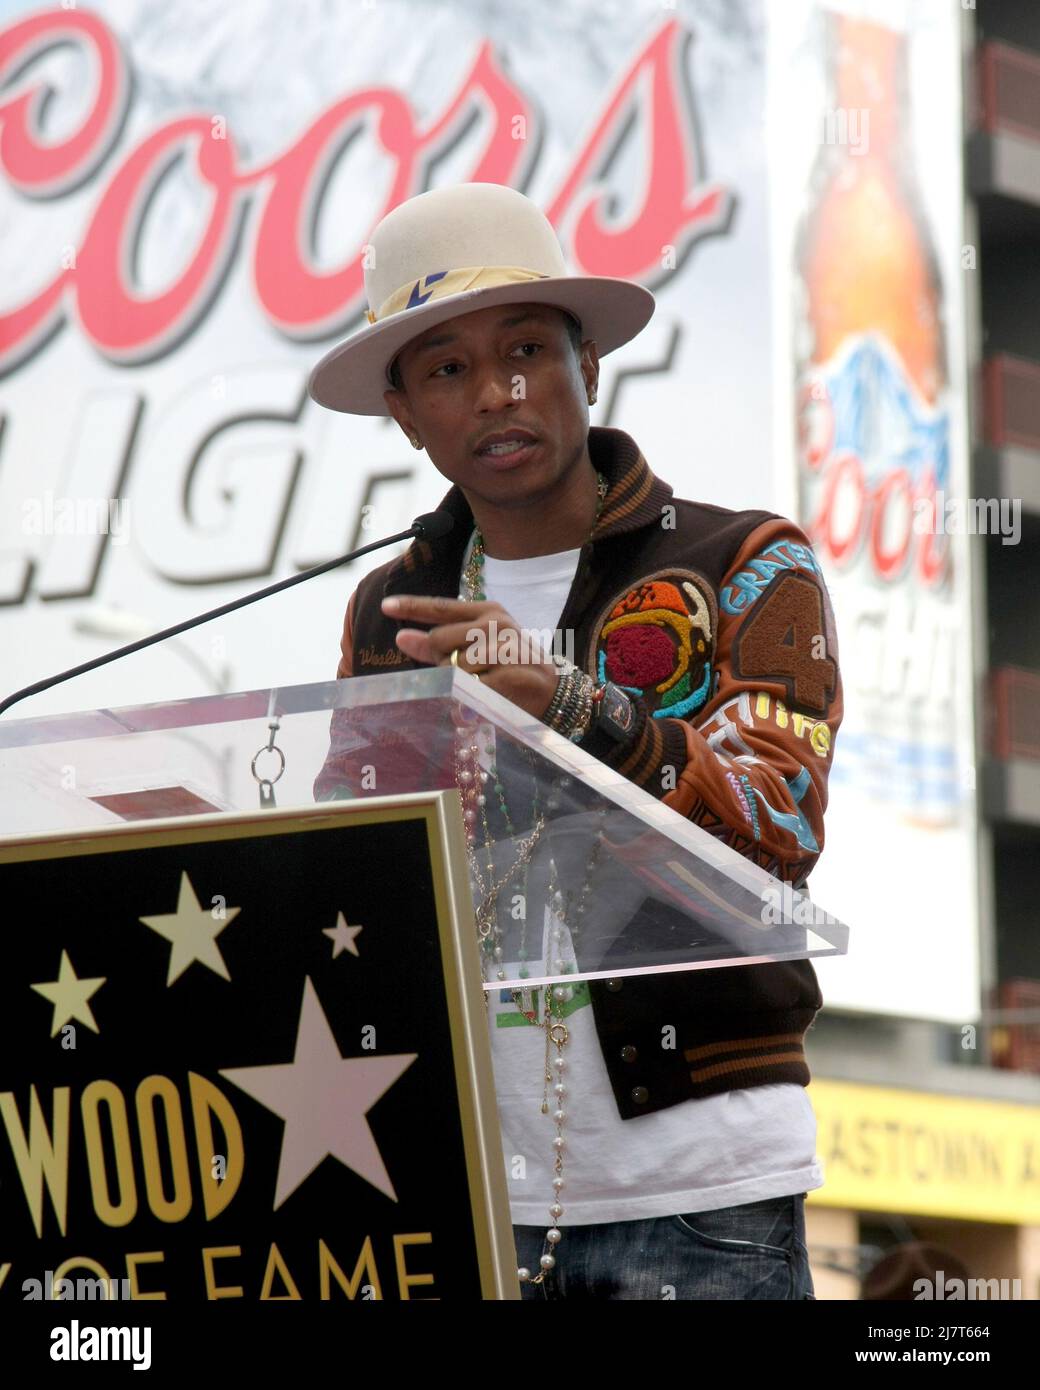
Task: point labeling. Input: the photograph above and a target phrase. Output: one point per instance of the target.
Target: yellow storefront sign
(929, 1154)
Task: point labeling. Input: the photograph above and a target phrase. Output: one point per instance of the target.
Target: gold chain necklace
(473, 574)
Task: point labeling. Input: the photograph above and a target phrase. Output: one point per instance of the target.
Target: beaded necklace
(472, 778)
(473, 574)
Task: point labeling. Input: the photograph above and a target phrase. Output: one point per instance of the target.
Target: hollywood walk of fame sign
(245, 1057)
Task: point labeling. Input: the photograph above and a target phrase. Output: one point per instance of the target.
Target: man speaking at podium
(705, 671)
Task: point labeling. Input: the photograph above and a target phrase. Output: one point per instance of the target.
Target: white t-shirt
(741, 1146)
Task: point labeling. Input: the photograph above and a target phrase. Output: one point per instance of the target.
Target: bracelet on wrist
(571, 704)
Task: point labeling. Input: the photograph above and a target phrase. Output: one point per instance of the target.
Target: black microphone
(431, 526)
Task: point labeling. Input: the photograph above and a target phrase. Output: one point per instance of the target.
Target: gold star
(193, 932)
(69, 996)
(342, 936)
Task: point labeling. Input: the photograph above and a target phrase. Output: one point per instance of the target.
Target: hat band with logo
(439, 284)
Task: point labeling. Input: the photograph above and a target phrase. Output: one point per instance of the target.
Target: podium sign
(662, 894)
(246, 1057)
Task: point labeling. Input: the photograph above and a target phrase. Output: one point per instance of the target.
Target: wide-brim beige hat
(454, 250)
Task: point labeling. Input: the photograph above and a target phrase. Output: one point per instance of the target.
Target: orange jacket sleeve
(759, 753)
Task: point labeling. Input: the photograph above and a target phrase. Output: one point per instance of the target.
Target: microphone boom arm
(421, 527)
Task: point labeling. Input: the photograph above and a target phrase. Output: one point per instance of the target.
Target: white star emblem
(342, 936)
(323, 1097)
(192, 931)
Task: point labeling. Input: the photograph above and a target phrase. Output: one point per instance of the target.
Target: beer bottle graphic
(870, 350)
(873, 432)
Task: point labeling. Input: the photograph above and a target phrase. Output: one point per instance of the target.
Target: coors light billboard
(185, 198)
(186, 193)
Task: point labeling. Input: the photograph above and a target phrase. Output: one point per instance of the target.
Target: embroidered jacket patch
(657, 640)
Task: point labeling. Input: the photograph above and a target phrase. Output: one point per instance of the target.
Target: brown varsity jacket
(719, 626)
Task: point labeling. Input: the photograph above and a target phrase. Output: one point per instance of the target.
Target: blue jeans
(753, 1251)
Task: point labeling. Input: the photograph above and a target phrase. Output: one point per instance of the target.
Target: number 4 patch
(778, 638)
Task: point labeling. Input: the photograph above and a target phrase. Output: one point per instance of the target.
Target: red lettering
(23, 328)
(38, 169)
(31, 165)
(845, 493)
(676, 207)
(844, 480)
(122, 325)
(933, 552)
(888, 564)
(295, 296)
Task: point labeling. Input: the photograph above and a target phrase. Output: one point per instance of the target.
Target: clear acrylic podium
(656, 892)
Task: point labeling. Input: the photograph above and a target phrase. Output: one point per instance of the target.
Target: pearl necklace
(472, 778)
